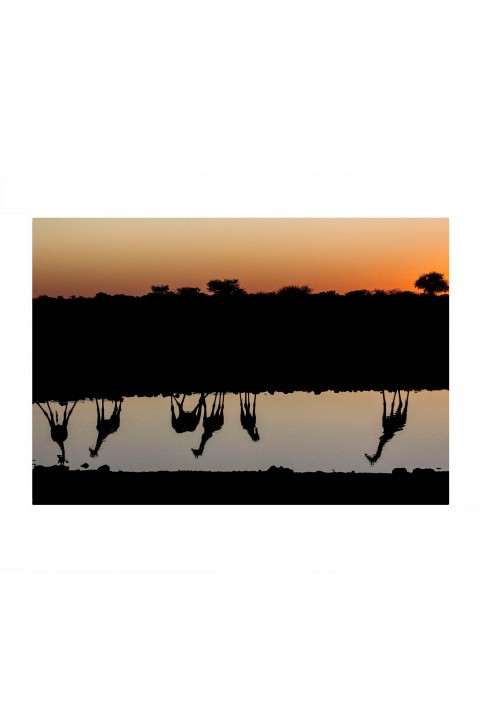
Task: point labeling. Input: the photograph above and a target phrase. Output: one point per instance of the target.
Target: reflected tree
(58, 430)
(106, 425)
(392, 423)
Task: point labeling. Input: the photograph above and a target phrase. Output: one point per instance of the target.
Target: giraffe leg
(393, 402)
(43, 411)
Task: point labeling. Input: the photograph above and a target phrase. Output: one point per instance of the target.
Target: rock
(399, 471)
(85, 465)
(104, 468)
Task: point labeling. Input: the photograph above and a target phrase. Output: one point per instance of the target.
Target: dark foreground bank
(276, 486)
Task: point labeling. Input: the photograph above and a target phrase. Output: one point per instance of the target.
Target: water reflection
(106, 425)
(186, 420)
(300, 430)
(58, 430)
(248, 415)
(212, 422)
(391, 423)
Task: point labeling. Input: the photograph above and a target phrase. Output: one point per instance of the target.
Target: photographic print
(240, 361)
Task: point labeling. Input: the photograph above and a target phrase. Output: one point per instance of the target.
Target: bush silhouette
(294, 290)
(188, 291)
(160, 289)
(225, 287)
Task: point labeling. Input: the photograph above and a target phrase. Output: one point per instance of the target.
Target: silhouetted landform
(277, 486)
(112, 346)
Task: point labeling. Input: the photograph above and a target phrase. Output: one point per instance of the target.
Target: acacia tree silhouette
(225, 287)
(188, 291)
(294, 291)
(432, 283)
(160, 289)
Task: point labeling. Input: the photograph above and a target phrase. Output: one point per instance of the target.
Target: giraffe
(58, 431)
(248, 416)
(211, 423)
(391, 423)
(106, 426)
(186, 420)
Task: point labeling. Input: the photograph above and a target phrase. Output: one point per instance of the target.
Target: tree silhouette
(160, 289)
(295, 290)
(225, 287)
(432, 283)
(188, 291)
(358, 293)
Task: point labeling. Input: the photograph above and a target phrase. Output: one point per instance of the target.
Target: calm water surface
(302, 431)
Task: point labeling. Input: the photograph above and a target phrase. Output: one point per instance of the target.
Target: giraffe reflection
(58, 431)
(248, 416)
(391, 423)
(212, 422)
(106, 426)
(186, 420)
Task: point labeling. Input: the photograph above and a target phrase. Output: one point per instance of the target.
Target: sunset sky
(86, 256)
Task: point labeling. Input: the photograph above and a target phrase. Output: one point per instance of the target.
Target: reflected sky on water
(302, 431)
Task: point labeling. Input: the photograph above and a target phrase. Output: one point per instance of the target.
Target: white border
(215, 109)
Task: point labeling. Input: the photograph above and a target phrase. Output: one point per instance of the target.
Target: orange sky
(86, 256)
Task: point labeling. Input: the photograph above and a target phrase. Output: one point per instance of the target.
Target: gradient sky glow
(86, 256)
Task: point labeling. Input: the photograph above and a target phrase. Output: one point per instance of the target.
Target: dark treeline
(109, 346)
